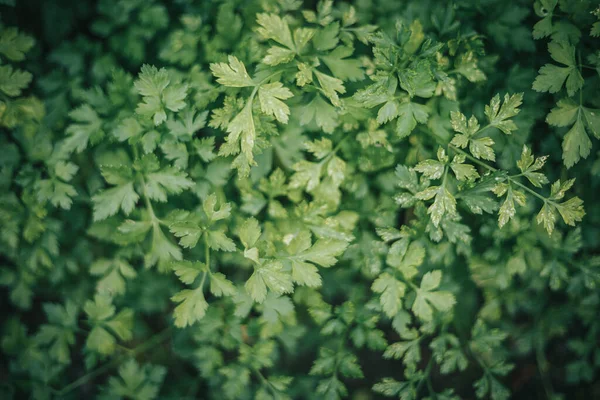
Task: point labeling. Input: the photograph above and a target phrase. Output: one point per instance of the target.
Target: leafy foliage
(281, 199)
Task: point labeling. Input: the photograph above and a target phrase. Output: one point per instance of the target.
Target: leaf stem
(480, 130)
(147, 345)
(147, 201)
(206, 251)
(492, 169)
(542, 367)
(426, 375)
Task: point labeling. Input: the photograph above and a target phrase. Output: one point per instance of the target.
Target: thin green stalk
(149, 344)
(542, 367)
(426, 373)
(206, 252)
(492, 169)
(334, 150)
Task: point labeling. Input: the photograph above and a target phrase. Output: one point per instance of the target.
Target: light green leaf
(192, 307)
(499, 116)
(110, 201)
(481, 148)
(392, 291)
(576, 144)
(211, 212)
(564, 114)
(12, 82)
(408, 116)
(270, 96)
(428, 296)
(331, 87)
(463, 171)
(233, 74)
(269, 275)
(221, 286)
(187, 271)
(14, 44)
(431, 169)
(88, 128)
(249, 232)
(217, 240)
(168, 180)
(273, 27)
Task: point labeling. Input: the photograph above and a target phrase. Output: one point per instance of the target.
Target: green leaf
(221, 286)
(14, 45)
(320, 148)
(187, 228)
(323, 113)
(217, 240)
(463, 172)
(110, 201)
(307, 174)
(187, 271)
(427, 297)
(276, 307)
(459, 124)
(269, 275)
(324, 252)
(576, 144)
(481, 148)
(187, 124)
(249, 233)
(59, 194)
(528, 166)
(499, 116)
(101, 341)
(507, 210)
(88, 128)
(431, 169)
(444, 202)
(343, 67)
(192, 307)
(205, 148)
(242, 135)
(275, 28)
(551, 78)
(278, 55)
(233, 74)
(270, 96)
(212, 213)
(101, 314)
(392, 292)
(409, 114)
(406, 257)
(392, 388)
(140, 383)
(544, 28)
(162, 250)
(327, 38)
(564, 114)
(330, 87)
(158, 93)
(169, 180)
(113, 273)
(301, 254)
(12, 82)
(592, 119)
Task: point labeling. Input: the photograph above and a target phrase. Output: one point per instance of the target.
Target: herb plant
(277, 199)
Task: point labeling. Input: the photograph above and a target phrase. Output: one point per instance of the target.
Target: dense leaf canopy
(277, 199)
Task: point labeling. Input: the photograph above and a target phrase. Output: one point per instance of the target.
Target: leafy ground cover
(276, 199)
